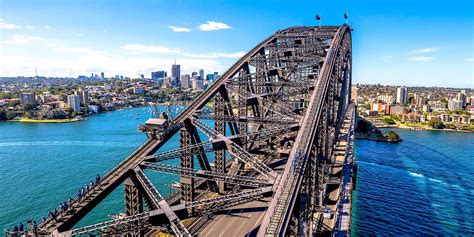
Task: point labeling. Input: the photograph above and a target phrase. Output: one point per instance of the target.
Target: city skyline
(401, 46)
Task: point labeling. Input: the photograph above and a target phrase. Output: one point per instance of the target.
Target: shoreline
(73, 120)
(422, 128)
(23, 120)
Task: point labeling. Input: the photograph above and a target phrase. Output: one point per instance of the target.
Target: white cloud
(140, 48)
(23, 39)
(52, 44)
(212, 25)
(179, 29)
(79, 34)
(8, 26)
(421, 58)
(427, 50)
(47, 27)
(469, 59)
(30, 27)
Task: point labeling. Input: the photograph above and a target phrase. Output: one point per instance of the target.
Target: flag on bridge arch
(318, 17)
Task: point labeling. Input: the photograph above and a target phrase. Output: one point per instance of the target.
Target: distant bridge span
(279, 125)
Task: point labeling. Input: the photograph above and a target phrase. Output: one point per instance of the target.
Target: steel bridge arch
(286, 99)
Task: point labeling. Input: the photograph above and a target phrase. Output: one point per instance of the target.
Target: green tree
(388, 121)
(27, 114)
(28, 107)
(393, 136)
(436, 123)
(10, 115)
(69, 110)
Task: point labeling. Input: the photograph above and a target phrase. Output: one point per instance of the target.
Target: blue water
(43, 164)
(421, 186)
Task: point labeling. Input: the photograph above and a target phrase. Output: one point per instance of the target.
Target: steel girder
(307, 65)
(282, 206)
(211, 175)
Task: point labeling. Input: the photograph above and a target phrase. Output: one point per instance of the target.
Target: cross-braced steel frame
(284, 100)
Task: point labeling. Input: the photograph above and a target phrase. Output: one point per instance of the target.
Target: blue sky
(410, 42)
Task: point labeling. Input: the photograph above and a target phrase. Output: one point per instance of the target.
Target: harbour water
(43, 164)
(421, 186)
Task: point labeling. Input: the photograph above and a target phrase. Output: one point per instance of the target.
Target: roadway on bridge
(238, 221)
(243, 219)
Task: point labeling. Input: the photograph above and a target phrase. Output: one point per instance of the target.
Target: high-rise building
(210, 77)
(402, 95)
(201, 74)
(454, 105)
(185, 81)
(461, 96)
(158, 75)
(354, 93)
(419, 101)
(27, 98)
(176, 71)
(197, 83)
(102, 75)
(83, 97)
(167, 82)
(74, 101)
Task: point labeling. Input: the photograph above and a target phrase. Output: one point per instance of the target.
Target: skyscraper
(185, 81)
(176, 71)
(462, 98)
(158, 75)
(102, 75)
(402, 95)
(354, 95)
(27, 98)
(201, 74)
(83, 97)
(74, 101)
(210, 77)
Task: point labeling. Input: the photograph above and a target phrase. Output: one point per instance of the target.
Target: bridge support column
(242, 105)
(187, 182)
(133, 198)
(219, 113)
(133, 204)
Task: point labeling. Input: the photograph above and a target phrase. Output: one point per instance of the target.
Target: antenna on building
(346, 16)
